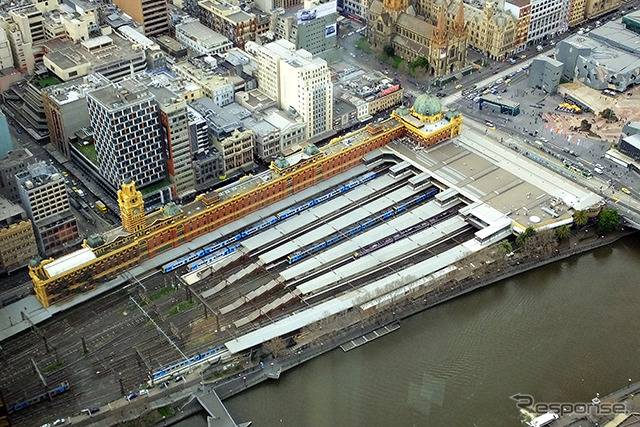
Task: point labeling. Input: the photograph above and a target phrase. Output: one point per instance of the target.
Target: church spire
(440, 34)
(459, 24)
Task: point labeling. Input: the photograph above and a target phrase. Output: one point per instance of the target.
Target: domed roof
(311, 150)
(402, 110)
(95, 240)
(427, 105)
(281, 162)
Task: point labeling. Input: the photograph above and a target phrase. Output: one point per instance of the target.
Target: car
(519, 70)
(625, 190)
(179, 378)
(308, 15)
(46, 425)
(164, 385)
(143, 392)
(59, 421)
(131, 396)
(489, 123)
(441, 94)
(539, 48)
(90, 411)
(65, 173)
(458, 86)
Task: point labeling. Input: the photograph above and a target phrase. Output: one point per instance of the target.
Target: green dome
(402, 110)
(311, 150)
(281, 162)
(427, 105)
(95, 240)
(34, 261)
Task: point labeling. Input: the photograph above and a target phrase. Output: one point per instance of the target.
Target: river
(563, 332)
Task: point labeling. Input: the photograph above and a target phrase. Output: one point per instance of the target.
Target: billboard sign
(389, 90)
(331, 30)
(316, 12)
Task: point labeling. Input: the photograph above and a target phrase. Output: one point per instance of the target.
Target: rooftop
(9, 210)
(202, 34)
(74, 90)
(127, 92)
(100, 52)
(38, 174)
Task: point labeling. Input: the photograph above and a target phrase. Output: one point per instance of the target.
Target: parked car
(131, 396)
(59, 421)
(143, 392)
(625, 190)
(179, 378)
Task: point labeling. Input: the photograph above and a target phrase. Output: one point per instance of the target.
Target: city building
(65, 106)
(545, 73)
(228, 135)
(596, 8)
(156, 59)
(631, 21)
(548, 19)
(202, 71)
(152, 14)
(175, 130)
(143, 236)
(368, 92)
(6, 143)
(229, 20)
(24, 101)
(172, 47)
(201, 39)
(576, 12)
(128, 139)
(16, 234)
(298, 82)
(315, 35)
(521, 11)
(112, 56)
(16, 161)
(444, 46)
(6, 57)
(43, 194)
(607, 58)
(491, 29)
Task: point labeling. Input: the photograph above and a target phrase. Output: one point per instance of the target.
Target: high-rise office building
(152, 14)
(298, 82)
(129, 145)
(44, 197)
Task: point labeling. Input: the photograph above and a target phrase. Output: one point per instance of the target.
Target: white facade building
(548, 19)
(201, 39)
(300, 83)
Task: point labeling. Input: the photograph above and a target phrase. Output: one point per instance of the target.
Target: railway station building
(144, 236)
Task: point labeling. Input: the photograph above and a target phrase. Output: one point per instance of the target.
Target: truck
(101, 206)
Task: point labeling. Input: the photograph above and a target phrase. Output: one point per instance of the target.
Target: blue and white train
(210, 258)
(206, 250)
(214, 355)
(39, 398)
(360, 226)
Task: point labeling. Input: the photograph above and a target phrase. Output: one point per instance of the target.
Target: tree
(274, 347)
(608, 221)
(580, 218)
(420, 62)
(563, 232)
(585, 125)
(506, 247)
(526, 234)
(389, 50)
(609, 114)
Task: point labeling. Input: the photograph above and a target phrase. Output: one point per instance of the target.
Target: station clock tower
(131, 207)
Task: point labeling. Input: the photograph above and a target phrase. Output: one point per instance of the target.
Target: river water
(563, 332)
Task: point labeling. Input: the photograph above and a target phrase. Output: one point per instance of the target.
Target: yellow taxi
(625, 190)
(459, 87)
